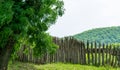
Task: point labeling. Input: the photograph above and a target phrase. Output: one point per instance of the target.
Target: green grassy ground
(55, 66)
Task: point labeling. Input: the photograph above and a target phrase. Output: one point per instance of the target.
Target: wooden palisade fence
(77, 52)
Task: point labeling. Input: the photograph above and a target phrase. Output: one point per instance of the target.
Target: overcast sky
(82, 15)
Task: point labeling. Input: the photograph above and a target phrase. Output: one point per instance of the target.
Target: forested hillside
(104, 35)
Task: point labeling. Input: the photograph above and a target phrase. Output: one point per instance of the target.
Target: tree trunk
(5, 54)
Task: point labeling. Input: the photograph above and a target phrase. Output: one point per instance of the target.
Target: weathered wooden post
(95, 53)
(92, 53)
(107, 54)
(103, 54)
(88, 52)
(99, 51)
(118, 56)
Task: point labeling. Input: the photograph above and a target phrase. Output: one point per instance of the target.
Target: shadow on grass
(21, 66)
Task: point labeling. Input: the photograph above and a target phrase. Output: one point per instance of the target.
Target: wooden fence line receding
(77, 52)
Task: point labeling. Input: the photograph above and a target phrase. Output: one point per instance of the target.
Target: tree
(26, 22)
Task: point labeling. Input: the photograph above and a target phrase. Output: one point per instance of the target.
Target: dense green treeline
(103, 35)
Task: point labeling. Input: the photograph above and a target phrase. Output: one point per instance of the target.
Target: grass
(55, 66)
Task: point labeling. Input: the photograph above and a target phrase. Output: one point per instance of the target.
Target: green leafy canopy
(26, 21)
